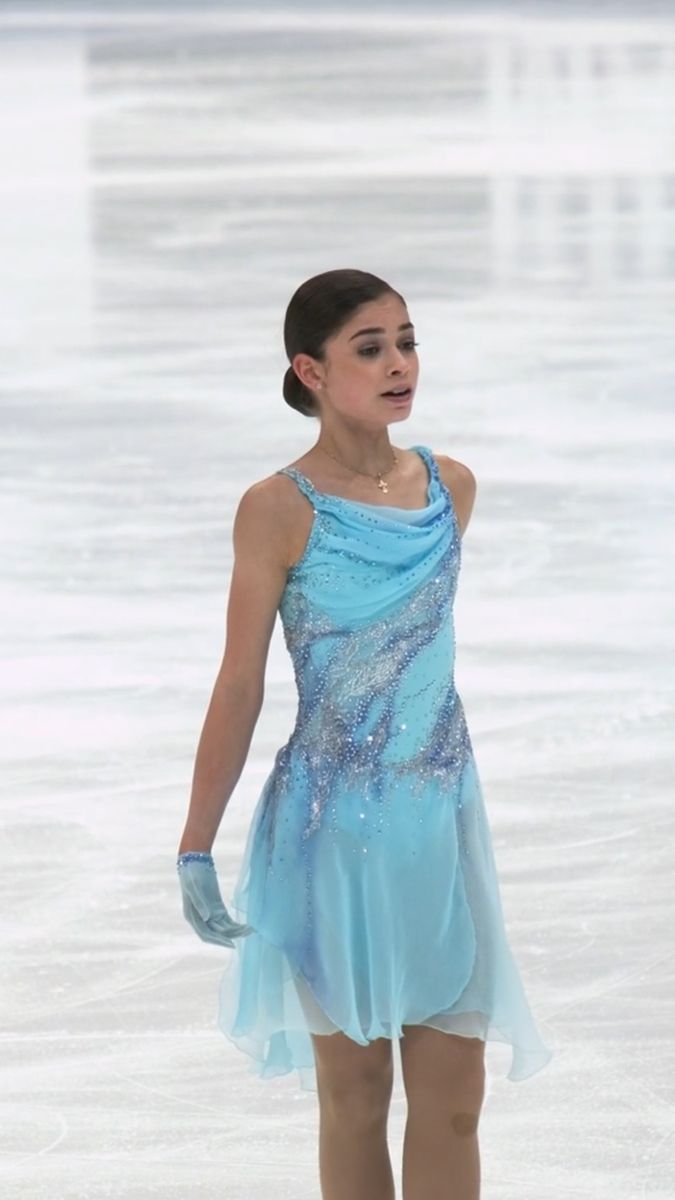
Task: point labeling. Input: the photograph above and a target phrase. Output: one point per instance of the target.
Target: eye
(365, 351)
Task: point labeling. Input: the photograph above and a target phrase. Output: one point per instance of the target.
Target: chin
(398, 415)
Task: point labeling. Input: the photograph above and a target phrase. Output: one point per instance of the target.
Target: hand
(202, 902)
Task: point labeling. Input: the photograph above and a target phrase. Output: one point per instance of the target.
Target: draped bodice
(361, 559)
(367, 620)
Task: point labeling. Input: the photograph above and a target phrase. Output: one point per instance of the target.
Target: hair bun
(297, 395)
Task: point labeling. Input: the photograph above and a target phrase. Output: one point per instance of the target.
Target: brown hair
(317, 310)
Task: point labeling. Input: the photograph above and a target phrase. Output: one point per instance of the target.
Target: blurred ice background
(168, 176)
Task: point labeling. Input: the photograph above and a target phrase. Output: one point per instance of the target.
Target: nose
(399, 362)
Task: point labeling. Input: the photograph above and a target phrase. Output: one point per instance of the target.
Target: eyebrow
(378, 329)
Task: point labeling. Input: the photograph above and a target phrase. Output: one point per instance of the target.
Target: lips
(398, 395)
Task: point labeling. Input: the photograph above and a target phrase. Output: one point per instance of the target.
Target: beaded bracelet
(194, 856)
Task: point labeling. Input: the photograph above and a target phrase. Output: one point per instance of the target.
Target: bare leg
(354, 1086)
(444, 1078)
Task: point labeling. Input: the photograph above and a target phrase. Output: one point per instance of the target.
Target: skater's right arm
(262, 536)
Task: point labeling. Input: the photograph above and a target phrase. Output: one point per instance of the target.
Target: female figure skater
(367, 908)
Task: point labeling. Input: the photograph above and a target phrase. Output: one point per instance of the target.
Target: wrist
(187, 856)
(195, 839)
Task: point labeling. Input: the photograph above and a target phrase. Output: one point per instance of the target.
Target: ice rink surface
(169, 177)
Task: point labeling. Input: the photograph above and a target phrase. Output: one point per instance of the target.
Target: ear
(308, 371)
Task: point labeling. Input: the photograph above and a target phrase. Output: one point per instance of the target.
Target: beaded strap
(306, 486)
(429, 459)
(194, 856)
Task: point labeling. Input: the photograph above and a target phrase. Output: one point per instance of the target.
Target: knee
(464, 1102)
(358, 1098)
(464, 1124)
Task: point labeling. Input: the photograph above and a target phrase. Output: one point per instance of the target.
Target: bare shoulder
(454, 472)
(461, 483)
(264, 520)
(259, 573)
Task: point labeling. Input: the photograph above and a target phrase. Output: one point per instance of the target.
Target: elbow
(246, 693)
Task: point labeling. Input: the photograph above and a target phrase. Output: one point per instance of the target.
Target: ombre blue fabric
(368, 876)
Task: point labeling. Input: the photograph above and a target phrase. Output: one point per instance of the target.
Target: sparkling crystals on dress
(357, 681)
(368, 877)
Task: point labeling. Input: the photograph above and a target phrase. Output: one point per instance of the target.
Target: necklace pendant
(384, 487)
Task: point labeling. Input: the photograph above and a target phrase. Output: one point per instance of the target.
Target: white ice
(168, 176)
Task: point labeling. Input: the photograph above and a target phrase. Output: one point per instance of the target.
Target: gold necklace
(384, 487)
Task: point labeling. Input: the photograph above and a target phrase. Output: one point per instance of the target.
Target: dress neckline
(364, 503)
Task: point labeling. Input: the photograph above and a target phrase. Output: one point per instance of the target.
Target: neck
(371, 453)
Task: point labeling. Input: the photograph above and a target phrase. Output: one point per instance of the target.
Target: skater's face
(372, 353)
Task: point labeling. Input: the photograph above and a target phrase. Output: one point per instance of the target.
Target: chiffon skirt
(366, 936)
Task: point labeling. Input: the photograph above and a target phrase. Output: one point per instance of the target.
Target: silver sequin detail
(350, 730)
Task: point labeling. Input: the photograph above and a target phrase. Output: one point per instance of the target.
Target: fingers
(221, 931)
(208, 934)
(216, 915)
(203, 906)
(229, 928)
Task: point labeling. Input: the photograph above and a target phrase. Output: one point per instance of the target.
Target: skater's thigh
(438, 1064)
(345, 1068)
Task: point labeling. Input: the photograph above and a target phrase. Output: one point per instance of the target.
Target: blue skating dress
(368, 874)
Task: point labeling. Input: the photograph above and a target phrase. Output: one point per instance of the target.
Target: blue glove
(202, 902)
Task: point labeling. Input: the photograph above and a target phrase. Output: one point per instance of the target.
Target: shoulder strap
(302, 481)
(429, 459)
